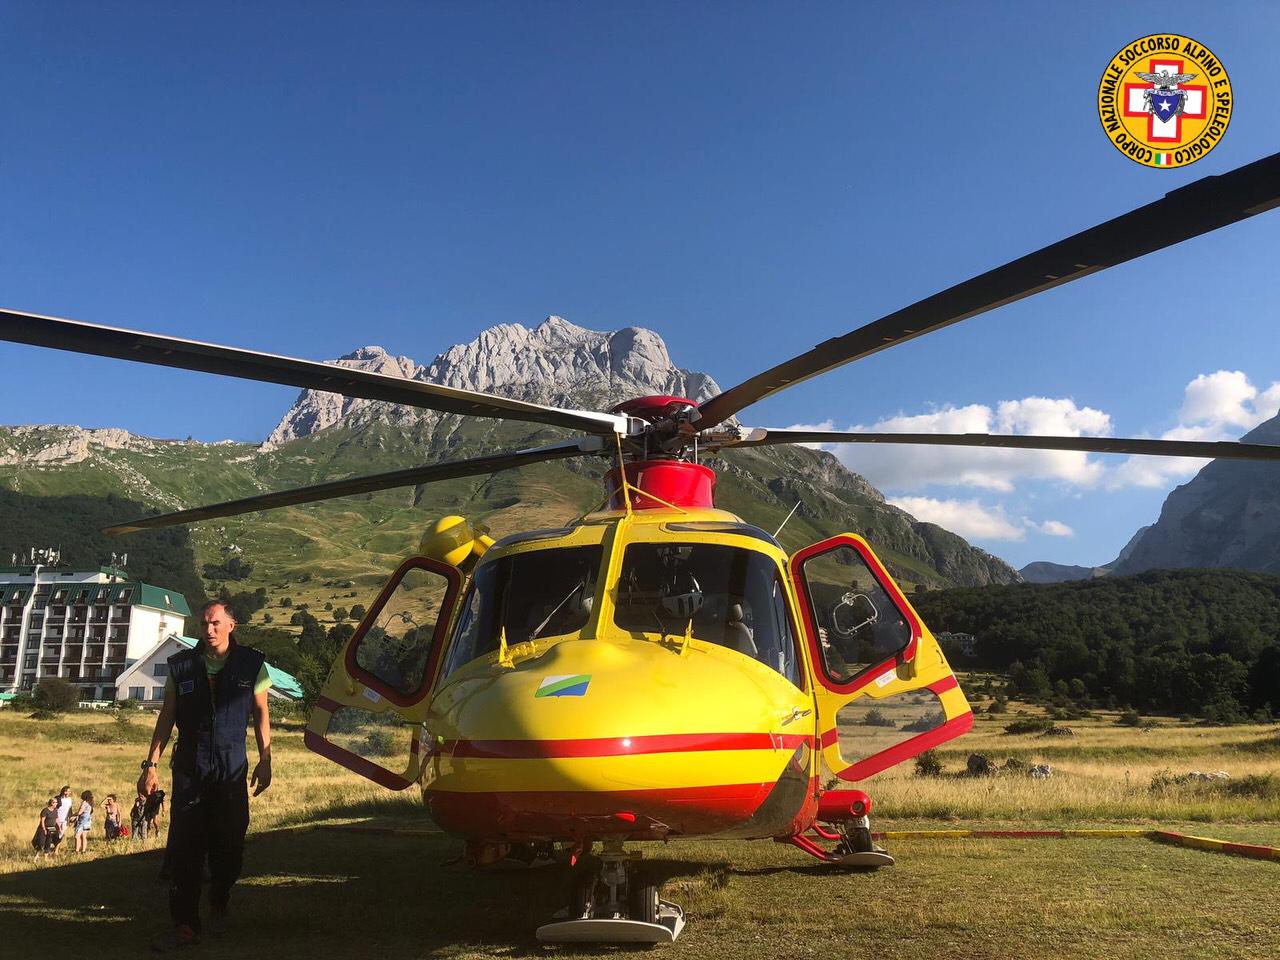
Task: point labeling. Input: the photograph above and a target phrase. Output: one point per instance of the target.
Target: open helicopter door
(883, 689)
(375, 699)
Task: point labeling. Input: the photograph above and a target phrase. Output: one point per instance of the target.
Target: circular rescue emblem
(1164, 100)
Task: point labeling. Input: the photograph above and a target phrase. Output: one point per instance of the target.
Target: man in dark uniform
(211, 692)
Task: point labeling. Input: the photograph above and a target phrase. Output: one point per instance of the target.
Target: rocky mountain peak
(1228, 515)
(556, 362)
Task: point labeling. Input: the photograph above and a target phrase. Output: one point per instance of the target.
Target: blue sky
(745, 179)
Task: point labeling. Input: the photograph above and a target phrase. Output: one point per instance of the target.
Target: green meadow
(314, 886)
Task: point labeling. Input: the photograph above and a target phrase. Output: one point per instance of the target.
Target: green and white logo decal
(567, 685)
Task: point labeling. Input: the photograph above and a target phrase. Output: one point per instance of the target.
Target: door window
(392, 651)
(859, 623)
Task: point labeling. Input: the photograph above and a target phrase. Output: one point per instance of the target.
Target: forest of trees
(74, 526)
(1202, 642)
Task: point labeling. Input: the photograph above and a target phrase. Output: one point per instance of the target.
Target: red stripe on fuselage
(569, 814)
(620, 746)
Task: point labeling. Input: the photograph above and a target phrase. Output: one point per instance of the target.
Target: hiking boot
(175, 939)
(218, 920)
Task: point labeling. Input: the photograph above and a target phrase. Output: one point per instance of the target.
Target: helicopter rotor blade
(583, 446)
(79, 337)
(1215, 450)
(1197, 208)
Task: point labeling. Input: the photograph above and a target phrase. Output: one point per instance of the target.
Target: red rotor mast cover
(677, 483)
(660, 482)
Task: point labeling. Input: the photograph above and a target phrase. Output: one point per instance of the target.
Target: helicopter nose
(597, 737)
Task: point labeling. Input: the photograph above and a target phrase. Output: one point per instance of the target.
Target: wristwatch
(148, 764)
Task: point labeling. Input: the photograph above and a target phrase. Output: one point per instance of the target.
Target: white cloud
(969, 518)
(1215, 406)
(1050, 528)
(903, 467)
(1225, 398)
(974, 521)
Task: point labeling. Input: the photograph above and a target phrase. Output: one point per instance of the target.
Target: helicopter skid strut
(855, 847)
(614, 904)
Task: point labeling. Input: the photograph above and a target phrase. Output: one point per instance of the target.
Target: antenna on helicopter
(784, 522)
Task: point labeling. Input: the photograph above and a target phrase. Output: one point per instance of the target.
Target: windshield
(727, 595)
(543, 593)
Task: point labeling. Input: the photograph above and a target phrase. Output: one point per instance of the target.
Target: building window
(157, 693)
(160, 670)
(137, 693)
(126, 594)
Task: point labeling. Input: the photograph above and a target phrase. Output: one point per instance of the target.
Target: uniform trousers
(207, 820)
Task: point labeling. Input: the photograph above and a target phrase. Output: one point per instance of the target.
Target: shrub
(357, 611)
(1001, 705)
(1265, 786)
(126, 704)
(22, 701)
(875, 718)
(928, 764)
(1129, 718)
(379, 743)
(924, 724)
(1029, 725)
(55, 695)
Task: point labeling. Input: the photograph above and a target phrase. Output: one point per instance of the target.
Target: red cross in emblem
(1166, 131)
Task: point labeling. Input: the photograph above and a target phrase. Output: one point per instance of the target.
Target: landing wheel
(642, 900)
(583, 894)
(860, 840)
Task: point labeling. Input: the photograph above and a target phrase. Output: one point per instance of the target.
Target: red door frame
(870, 673)
(354, 670)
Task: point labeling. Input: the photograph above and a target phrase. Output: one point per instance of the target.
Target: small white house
(144, 679)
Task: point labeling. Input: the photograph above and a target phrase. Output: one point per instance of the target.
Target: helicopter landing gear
(843, 816)
(614, 902)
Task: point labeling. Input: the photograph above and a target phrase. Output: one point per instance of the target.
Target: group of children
(55, 820)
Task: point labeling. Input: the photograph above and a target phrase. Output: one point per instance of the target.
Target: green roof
(284, 682)
(162, 599)
(140, 594)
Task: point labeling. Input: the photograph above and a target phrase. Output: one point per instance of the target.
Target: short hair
(210, 604)
(87, 795)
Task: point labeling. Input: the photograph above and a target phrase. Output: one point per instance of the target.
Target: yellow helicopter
(658, 668)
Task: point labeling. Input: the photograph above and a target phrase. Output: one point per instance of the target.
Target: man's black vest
(212, 721)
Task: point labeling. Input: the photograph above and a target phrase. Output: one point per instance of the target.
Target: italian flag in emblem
(1164, 159)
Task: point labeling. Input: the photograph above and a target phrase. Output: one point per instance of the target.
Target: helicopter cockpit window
(859, 625)
(542, 593)
(724, 595)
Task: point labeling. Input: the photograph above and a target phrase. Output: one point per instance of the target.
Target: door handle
(795, 715)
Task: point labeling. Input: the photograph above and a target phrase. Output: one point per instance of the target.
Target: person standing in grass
(84, 822)
(137, 818)
(111, 816)
(64, 811)
(45, 840)
(211, 693)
